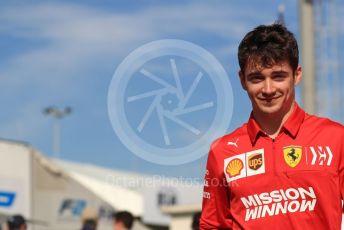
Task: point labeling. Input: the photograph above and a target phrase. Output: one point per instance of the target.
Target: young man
(284, 168)
(123, 220)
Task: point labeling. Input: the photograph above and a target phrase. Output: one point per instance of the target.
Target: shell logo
(234, 167)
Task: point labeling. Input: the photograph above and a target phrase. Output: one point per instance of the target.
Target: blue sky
(64, 53)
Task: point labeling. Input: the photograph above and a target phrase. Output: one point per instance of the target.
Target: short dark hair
(125, 217)
(89, 224)
(15, 222)
(267, 45)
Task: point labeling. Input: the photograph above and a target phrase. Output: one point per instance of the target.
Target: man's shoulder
(324, 123)
(232, 137)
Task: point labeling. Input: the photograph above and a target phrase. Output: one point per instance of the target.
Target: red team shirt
(295, 181)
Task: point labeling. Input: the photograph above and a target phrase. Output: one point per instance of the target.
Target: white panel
(15, 178)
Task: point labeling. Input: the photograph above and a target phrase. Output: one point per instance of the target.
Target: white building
(53, 193)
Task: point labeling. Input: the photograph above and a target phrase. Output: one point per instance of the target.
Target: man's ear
(298, 75)
(242, 79)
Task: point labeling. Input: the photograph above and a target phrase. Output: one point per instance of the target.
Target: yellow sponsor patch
(292, 155)
(234, 167)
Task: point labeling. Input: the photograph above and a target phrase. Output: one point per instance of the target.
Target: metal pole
(56, 138)
(338, 108)
(57, 115)
(307, 54)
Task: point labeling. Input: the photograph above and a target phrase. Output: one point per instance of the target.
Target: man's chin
(269, 109)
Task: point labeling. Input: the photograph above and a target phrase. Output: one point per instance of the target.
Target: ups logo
(255, 161)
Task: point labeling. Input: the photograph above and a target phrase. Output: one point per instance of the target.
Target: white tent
(118, 197)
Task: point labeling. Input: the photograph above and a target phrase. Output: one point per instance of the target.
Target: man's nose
(268, 87)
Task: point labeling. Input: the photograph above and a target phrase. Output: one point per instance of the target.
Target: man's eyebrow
(279, 72)
(255, 73)
(258, 73)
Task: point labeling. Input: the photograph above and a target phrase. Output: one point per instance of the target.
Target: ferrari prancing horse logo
(292, 155)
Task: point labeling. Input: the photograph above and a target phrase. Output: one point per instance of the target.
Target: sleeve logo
(292, 155)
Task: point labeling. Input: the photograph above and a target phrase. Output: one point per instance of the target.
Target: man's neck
(271, 124)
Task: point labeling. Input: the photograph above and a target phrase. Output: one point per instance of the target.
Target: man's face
(271, 89)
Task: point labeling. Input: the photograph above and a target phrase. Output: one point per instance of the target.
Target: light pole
(57, 115)
(308, 56)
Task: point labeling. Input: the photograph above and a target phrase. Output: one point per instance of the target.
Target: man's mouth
(268, 99)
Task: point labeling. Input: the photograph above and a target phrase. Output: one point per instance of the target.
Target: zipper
(273, 156)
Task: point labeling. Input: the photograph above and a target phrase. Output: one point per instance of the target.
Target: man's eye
(255, 79)
(279, 78)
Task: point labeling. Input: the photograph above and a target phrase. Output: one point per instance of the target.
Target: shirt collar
(291, 126)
